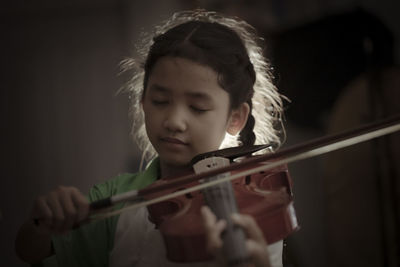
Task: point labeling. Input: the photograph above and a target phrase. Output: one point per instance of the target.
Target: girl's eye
(159, 102)
(198, 110)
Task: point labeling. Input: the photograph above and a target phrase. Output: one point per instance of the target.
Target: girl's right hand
(60, 210)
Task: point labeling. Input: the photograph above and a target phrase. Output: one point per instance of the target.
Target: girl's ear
(238, 119)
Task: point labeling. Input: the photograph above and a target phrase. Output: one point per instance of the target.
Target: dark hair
(218, 47)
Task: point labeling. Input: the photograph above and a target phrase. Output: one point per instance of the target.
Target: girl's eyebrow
(196, 95)
(159, 88)
(199, 96)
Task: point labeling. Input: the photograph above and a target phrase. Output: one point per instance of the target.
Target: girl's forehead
(175, 74)
(176, 65)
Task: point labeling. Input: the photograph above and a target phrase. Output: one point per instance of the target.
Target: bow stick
(291, 154)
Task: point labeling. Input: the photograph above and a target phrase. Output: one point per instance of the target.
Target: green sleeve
(90, 244)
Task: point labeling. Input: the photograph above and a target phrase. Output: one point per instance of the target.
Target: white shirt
(137, 243)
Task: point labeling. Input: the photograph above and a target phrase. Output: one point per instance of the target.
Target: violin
(261, 186)
(266, 196)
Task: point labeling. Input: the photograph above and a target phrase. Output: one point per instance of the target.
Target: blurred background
(336, 60)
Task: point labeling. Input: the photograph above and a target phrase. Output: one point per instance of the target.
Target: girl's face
(186, 111)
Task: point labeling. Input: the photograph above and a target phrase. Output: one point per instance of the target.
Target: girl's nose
(175, 120)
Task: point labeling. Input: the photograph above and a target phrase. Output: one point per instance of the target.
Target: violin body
(266, 196)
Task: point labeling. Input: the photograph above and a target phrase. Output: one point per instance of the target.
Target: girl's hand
(60, 210)
(255, 244)
(53, 213)
(213, 230)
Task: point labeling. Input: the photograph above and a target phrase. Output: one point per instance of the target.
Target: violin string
(304, 155)
(226, 196)
(227, 206)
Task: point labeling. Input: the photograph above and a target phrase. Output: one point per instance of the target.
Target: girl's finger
(250, 226)
(53, 202)
(81, 205)
(41, 209)
(209, 218)
(258, 252)
(69, 210)
(213, 230)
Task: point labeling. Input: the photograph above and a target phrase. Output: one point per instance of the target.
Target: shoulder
(116, 185)
(125, 182)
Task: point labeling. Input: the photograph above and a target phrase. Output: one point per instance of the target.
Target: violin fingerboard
(221, 200)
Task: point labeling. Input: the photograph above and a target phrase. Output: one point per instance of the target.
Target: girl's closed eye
(198, 109)
(159, 102)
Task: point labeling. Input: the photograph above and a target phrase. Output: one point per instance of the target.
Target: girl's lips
(173, 141)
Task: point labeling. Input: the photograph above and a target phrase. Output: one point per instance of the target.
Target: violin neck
(221, 200)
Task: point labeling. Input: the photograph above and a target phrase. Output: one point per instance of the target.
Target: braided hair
(231, 48)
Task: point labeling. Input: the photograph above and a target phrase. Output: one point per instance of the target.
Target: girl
(203, 82)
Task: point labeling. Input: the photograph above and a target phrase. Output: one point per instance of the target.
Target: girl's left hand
(255, 244)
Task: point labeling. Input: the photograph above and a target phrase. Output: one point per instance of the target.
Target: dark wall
(64, 124)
